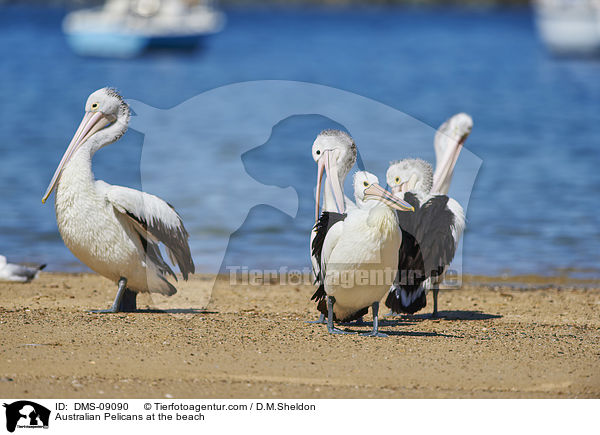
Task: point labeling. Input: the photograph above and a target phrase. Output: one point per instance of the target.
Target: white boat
(125, 28)
(569, 27)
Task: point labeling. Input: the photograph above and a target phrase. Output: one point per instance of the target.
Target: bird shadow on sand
(176, 311)
(386, 322)
(401, 333)
(455, 315)
(419, 334)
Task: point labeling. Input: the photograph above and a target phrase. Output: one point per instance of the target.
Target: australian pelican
(334, 151)
(358, 259)
(430, 236)
(115, 230)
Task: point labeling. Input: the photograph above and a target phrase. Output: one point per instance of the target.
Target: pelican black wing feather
(427, 247)
(156, 222)
(434, 235)
(153, 252)
(325, 222)
(175, 239)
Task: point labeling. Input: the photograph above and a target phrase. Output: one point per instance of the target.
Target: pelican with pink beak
(115, 230)
(358, 261)
(334, 152)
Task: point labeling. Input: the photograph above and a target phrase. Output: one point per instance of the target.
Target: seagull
(334, 152)
(358, 260)
(115, 230)
(18, 272)
(430, 236)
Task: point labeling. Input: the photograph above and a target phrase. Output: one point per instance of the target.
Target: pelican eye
(95, 106)
(397, 180)
(366, 184)
(318, 152)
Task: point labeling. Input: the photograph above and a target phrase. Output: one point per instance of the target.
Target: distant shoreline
(296, 3)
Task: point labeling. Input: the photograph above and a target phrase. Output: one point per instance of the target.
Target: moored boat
(125, 28)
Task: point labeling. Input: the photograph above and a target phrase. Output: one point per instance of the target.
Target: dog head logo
(26, 414)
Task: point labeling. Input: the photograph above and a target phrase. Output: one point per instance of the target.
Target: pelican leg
(321, 320)
(435, 305)
(375, 332)
(123, 300)
(330, 327)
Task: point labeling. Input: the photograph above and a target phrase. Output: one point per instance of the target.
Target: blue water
(534, 205)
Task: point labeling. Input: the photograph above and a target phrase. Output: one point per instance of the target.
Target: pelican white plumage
(358, 260)
(18, 272)
(115, 230)
(334, 151)
(430, 236)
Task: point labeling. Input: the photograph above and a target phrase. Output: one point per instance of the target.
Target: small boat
(126, 28)
(569, 27)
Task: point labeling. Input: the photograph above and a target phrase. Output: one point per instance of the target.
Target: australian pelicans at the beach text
(430, 236)
(115, 230)
(357, 261)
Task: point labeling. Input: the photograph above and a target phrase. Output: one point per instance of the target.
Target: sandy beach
(500, 338)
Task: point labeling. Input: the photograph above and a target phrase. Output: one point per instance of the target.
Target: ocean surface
(235, 159)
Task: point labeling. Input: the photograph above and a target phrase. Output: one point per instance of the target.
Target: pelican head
(105, 121)
(448, 143)
(406, 175)
(334, 151)
(367, 188)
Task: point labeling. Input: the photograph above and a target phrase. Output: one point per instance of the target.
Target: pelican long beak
(90, 124)
(327, 164)
(446, 168)
(375, 191)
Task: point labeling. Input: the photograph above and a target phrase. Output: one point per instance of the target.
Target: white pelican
(448, 143)
(358, 260)
(430, 236)
(115, 230)
(334, 151)
(18, 272)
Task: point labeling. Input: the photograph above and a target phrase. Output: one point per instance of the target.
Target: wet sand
(500, 338)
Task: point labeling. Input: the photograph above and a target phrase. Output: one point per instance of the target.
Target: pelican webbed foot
(330, 328)
(125, 301)
(320, 321)
(337, 331)
(375, 332)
